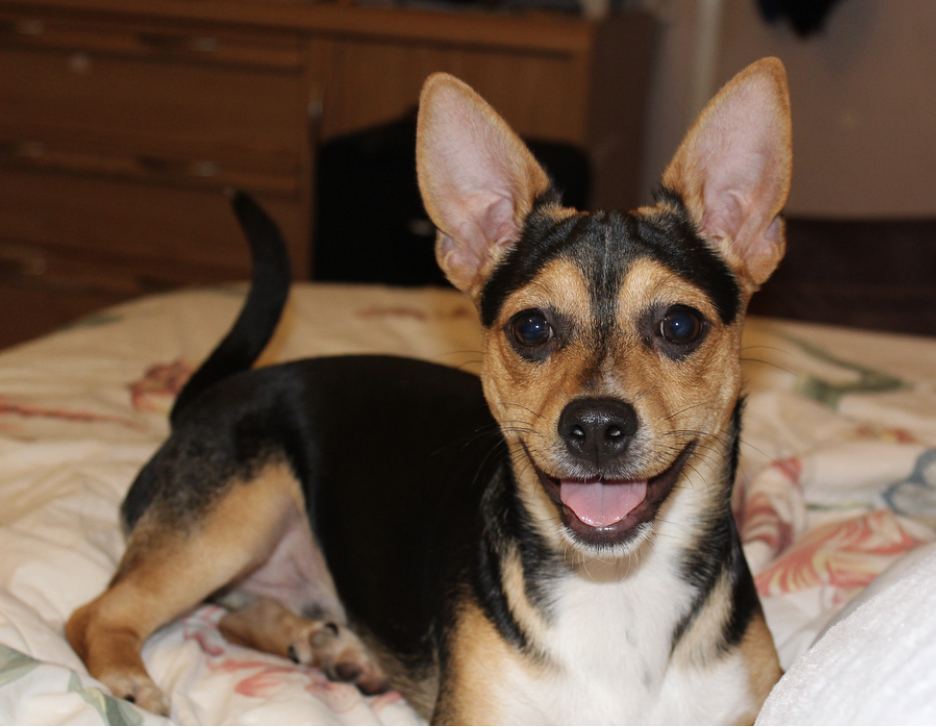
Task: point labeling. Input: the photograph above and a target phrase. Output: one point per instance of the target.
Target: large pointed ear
(478, 180)
(733, 171)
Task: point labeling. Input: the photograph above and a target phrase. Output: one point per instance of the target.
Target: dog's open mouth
(605, 512)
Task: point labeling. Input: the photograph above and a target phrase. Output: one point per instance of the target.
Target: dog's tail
(269, 289)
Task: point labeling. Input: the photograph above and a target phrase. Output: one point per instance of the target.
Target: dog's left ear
(733, 171)
(477, 178)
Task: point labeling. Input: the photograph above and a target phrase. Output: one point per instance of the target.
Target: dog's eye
(531, 329)
(683, 328)
(681, 325)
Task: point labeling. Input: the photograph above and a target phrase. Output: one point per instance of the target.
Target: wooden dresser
(123, 121)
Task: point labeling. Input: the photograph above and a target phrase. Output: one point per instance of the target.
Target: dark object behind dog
(392, 242)
(878, 274)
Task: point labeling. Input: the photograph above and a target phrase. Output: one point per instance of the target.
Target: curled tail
(269, 289)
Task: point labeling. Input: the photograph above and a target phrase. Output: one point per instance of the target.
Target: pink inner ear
(741, 188)
(773, 234)
(724, 212)
(481, 222)
(467, 251)
(741, 152)
(499, 221)
(765, 253)
(733, 170)
(478, 180)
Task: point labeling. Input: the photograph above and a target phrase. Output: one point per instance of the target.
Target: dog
(550, 542)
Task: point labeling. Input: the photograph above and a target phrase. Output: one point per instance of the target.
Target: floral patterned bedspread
(837, 481)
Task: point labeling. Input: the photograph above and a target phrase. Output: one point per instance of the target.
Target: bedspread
(837, 481)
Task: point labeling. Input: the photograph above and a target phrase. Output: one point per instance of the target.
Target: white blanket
(837, 481)
(877, 665)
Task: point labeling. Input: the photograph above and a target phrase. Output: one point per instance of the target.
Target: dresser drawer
(151, 89)
(45, 287)
(214, 44)
(188, 235)
(135, 159)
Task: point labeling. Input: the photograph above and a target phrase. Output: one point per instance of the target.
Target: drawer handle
(184, 43)
(34, 153)
(22, 150)
(24, 26)
(175, 168)
(20, 262)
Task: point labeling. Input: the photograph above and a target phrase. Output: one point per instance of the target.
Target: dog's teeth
(599, 504)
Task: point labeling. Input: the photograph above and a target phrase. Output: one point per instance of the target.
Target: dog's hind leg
(173, 562)
(265, 624)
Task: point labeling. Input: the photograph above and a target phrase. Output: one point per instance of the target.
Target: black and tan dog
(572, 559)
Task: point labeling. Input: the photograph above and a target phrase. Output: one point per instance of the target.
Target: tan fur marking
(697, 392)
(263, 625)
(480, 663)
(699, 645)
(513, 579)
(527, 398)
(508, 379)
(760, 655)
(165, 572)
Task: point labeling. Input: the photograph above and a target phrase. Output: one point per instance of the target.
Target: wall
(863, 94)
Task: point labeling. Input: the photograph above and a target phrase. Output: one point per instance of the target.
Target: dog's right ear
(478, 180)
(733, 170)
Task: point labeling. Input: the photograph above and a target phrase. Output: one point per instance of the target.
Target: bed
(837, 485)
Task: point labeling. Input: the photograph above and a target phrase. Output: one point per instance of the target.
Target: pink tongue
(602, 504)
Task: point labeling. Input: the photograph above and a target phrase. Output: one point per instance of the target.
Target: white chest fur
(611, 662)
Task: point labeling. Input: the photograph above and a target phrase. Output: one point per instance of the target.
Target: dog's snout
(597, 429)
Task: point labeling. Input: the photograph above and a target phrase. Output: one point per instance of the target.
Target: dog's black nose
(597, 429)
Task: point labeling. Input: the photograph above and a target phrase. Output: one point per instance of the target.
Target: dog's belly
(296, 575)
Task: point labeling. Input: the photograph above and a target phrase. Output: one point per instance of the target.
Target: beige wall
(863, 93)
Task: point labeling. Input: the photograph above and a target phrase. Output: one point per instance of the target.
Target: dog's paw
(140, 690)
(266, 625)
(338, 652)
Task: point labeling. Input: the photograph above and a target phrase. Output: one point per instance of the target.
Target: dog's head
(611, 341)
